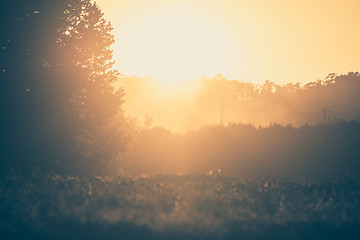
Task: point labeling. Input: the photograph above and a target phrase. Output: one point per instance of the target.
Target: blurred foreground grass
(177, 207)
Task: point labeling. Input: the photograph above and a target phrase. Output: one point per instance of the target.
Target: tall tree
(57, 79)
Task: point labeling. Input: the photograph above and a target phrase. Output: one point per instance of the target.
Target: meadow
(193, 206)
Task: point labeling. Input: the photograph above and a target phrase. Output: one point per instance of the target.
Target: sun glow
(252, 41)
(174, 44)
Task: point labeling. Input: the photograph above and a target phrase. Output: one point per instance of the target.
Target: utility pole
(221, 111)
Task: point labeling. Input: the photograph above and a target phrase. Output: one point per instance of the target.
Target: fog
(213, 101)
(243, 129)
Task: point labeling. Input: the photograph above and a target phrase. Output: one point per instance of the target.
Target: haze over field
(218, 101)
(165, 50)
(67, 108)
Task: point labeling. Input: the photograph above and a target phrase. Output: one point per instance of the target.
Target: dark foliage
(287, 104)
(324, 151)
(57, 101)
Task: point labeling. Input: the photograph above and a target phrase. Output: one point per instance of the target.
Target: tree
(57, 92)
(84, 47)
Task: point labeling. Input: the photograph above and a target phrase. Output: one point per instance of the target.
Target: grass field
(194, 206)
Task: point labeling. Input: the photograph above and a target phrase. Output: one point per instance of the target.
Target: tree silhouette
(57, 97)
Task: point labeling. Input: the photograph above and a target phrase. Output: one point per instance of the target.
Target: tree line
(323, 151)
(208, 100)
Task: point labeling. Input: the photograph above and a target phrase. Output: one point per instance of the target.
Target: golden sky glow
(280, 40)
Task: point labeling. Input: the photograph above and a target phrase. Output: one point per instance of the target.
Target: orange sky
(279, 40)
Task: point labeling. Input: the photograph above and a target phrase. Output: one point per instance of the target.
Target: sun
(173, 44)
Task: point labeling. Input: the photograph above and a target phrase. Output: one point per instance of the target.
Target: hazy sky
(279, 40)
